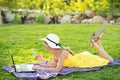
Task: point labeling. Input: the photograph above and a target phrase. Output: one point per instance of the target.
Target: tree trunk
(1, 22)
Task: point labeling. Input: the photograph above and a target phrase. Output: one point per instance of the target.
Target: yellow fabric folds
(84, 60)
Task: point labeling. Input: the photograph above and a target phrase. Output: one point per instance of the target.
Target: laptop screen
(13, 62)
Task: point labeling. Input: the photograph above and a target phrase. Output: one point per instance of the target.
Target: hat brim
(51, 44)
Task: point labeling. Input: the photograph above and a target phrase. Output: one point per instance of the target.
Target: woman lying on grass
(64, 58)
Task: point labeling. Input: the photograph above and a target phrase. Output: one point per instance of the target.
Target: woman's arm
(51, 63)
(61, 59)
(40, 57)
(63, 56)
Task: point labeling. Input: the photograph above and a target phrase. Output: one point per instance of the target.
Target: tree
(63, 6)
(8, 4)
(114, 5)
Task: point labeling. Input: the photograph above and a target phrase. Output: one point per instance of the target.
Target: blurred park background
(23, 22)
(60, 11)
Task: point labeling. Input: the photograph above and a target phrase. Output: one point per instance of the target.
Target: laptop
(21, 67)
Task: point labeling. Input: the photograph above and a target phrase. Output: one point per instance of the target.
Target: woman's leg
(101, 50)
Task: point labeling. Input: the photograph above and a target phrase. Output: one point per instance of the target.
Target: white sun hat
(52, 40)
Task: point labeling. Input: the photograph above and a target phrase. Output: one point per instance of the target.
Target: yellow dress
(84, 60)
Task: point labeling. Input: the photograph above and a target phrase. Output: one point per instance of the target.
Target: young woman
(64, 58)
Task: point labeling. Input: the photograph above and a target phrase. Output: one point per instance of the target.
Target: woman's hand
(40, 57)
(37, 67)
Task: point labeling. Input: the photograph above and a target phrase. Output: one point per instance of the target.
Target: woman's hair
(69, 51)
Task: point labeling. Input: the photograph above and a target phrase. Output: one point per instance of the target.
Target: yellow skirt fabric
(84, 60)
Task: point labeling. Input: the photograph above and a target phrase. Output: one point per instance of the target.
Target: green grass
(20, 38)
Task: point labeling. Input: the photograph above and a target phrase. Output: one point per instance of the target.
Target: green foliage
(8, 4)
(114, 6)
(21, 38)
(40, 19)
(63, 6)
(67, 22)
(16, 18)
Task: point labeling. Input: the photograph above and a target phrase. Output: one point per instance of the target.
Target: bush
(40, 19)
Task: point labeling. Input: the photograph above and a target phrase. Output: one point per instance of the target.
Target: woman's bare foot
(96, 39)
(91, 42)
(98, 35)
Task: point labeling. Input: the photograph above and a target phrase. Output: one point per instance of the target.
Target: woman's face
(46, 46)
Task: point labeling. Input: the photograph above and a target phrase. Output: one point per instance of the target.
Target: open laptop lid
(21, 67)
(13, 62)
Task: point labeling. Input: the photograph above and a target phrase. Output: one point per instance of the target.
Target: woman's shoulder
(64, 51)
(67, 51)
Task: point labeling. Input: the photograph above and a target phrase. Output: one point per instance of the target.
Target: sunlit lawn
(21, 38)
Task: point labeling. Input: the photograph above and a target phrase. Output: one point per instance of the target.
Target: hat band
(54, 42)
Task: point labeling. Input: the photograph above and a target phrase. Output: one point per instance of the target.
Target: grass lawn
(21, 38)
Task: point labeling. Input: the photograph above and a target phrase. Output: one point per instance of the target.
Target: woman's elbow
(57, 69)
